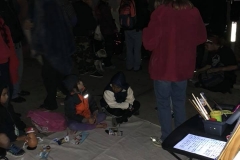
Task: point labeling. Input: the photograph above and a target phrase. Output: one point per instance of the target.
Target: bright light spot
(233, 31)
(85, 96)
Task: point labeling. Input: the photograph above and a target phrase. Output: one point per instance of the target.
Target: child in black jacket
(7, 124)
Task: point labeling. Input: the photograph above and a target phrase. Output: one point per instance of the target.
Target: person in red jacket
(8, 59)
(173, 33)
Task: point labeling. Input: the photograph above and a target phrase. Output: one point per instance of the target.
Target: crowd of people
(61, 34)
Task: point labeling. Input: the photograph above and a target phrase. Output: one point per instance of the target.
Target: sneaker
(60, 95)
(110, 67)
(96, 74)
(114, 122)
(156, 141)
(15, 151)
(83, 72)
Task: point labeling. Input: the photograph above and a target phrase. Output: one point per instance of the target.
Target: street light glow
(233, 31)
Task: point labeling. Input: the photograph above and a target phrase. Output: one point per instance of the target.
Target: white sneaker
(156, 141)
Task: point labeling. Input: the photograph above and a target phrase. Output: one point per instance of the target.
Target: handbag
(97, 34)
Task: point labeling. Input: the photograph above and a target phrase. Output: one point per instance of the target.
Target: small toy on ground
(62, 140)
(114, 132)
(79, 137)
(44, 152)
(31, 140)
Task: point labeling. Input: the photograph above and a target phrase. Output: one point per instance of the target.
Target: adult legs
(52, 80)
(178, 95)
(137, 49)
(162, 92)
(130, 45)
(109, 47)
(16, 87)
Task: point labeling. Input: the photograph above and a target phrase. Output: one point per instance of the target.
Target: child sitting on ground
(118, 99)
(80, 109)
(7, 124)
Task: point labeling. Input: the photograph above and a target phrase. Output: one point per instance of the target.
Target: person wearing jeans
(133, 40)
(133, 36)
(173, 57)
(164, 90)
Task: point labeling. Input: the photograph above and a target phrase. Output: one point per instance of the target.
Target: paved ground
(140, 82)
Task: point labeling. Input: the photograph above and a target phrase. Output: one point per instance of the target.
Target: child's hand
(22, 138)
(101, 125)
(91, 120)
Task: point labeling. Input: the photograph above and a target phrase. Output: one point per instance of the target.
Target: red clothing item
(83, 107)
(7, 51)
(172, 36)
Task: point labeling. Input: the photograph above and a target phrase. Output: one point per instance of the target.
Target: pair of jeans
(133, 40)
(16, 86)
(164, 91)
(5, 76)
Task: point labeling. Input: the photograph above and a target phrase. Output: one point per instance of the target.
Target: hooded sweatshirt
(7, 51)
(74, 110)
(121, 99)
(6, 121)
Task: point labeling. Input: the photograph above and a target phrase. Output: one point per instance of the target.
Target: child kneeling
(118, 99)
(80, 110)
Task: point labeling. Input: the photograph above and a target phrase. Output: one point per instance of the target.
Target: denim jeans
(164, 90)
(134, 43)
(16, 86)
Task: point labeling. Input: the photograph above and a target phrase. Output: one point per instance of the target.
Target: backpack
(47, 122)
(127, 14)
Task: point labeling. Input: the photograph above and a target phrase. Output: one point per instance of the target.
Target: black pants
(109, 47)
(124, 113)
(52, 80)
(2, 152)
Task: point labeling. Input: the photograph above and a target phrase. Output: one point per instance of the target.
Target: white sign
(203, 146)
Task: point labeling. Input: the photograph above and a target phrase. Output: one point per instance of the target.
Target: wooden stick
(198, 104)
(203, 107)
(197, 109)
(200, 111)
(210, 108)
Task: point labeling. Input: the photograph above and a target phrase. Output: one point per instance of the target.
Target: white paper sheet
(203, 146)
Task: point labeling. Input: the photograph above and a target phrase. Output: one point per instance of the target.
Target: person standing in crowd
(108, 29)
(173, 33)
(52, 38)
(133, 34)
(83, 32)
(10, 13)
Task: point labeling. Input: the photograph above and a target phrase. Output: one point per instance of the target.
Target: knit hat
(70, 82)
(119, 80)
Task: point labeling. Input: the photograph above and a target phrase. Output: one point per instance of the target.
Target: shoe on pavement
(96, 74)
(156, 141)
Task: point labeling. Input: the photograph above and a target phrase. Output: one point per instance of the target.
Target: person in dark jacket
(83, 32)
(7, 124)
(80, 108)
(118, 99)
(52, 38)
(108, 29)
(133, 36)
